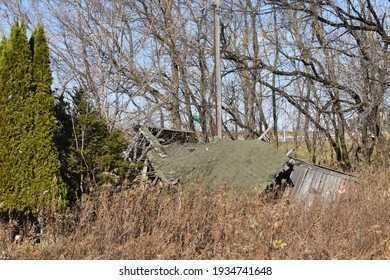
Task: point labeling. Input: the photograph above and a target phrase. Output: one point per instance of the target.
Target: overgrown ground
(195, 223)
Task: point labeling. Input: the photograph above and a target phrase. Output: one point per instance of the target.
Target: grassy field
(192, 222)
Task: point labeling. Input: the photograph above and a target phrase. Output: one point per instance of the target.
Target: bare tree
(318, 66)
(324, 47)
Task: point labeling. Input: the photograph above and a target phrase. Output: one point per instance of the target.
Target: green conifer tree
(15, 91)
(46, 164)
(29, 165)
(95, 156)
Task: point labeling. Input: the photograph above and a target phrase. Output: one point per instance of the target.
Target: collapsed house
(176, 155)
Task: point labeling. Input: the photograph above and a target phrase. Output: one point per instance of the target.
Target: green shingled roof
(240, 163)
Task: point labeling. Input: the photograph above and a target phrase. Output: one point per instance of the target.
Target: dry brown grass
(197, 223)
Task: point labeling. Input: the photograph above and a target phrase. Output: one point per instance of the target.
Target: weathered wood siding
(309, 179)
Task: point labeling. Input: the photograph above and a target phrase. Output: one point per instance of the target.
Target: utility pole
(217, 61)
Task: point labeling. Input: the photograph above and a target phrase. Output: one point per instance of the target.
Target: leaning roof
(242, 164)
(245, 164)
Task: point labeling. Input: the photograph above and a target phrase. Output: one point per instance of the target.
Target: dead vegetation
(193, 222)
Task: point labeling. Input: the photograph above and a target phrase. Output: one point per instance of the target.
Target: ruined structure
(177, 156)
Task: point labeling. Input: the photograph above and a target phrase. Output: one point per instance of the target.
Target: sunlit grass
(171, 222)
